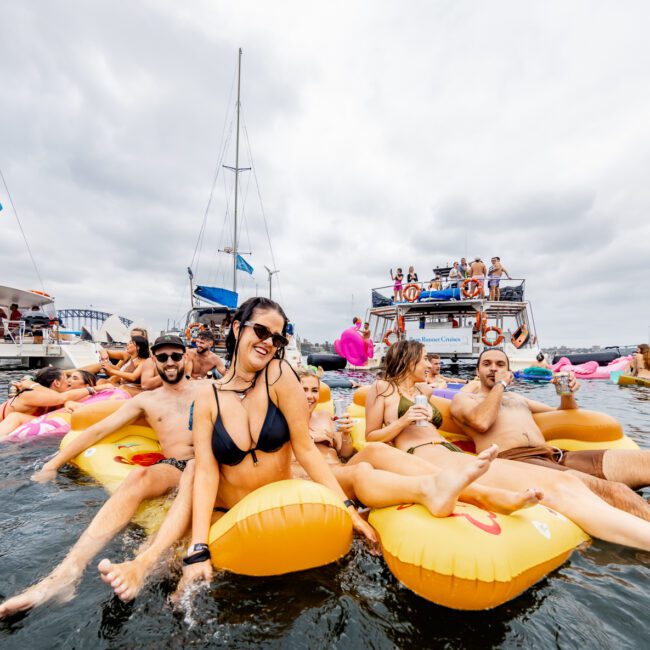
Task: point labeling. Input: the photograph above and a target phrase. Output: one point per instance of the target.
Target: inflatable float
(353, 347)
(327, 361)
(535, 374)
(591, 369)
(477, 559)
(448, 392)
(282, 527)
(628, 380)
(57, 423)
(337, 381)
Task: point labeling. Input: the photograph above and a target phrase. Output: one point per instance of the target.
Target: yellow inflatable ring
(280, 528)
(473, 559)
(629, 380)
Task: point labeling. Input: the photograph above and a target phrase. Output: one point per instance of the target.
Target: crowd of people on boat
(257, 423)
(457, 273)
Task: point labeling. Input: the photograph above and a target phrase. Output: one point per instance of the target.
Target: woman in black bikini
(242, 436)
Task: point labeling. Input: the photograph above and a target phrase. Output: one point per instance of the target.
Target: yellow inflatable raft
(476, 559)
(282, 527)
(628, 380)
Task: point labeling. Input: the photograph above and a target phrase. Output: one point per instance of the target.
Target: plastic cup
(562, 383)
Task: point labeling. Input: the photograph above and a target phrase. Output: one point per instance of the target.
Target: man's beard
(203, 351)
(161, 374)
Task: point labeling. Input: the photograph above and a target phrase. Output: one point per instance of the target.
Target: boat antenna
(29, 250)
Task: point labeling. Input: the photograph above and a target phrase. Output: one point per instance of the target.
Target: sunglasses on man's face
(263, 332)
(162, 357)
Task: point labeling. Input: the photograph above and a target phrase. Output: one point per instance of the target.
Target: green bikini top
(405, 404)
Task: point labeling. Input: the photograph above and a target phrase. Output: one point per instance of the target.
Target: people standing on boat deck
(3, 317)
(397, 285)
(640, 364)
(435, 284)
(166, 409)
(411, 480)
(365, 330)
(464, 268)
(14, 316)
(495, 273)
(391, 416)
(477, 271)
(493, 416)
(454, 276)
(35, 398)
(201, 360)
(411, 276)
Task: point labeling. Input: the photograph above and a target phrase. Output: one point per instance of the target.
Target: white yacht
(457, 321)
(36, 338)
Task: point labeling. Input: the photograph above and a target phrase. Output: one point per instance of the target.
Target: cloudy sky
(382, 134)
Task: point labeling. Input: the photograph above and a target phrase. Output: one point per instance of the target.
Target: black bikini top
(273, 435)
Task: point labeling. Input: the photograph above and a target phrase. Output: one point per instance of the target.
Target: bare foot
(126, 578)
(506, 502)
(57, 586)
(440, 493)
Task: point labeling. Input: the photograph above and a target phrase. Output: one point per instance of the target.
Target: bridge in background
(75, 319)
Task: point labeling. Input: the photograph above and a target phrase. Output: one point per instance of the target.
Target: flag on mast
(243, 265)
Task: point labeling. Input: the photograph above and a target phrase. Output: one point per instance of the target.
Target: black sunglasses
(163, 356)
(263, 332)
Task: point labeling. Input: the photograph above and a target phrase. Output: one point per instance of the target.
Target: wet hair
(245, 313)
(142, 346)
(401, 359)
(486, 350)
(47, 376)
(205, 335)
(644, 351)
(540, 357)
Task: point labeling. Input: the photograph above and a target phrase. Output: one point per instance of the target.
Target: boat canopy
(24, 299)
(216, 296)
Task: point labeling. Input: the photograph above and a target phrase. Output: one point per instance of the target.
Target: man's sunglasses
(263, 332)
(163, 356)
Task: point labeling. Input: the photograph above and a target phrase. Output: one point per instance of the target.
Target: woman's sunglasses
(263, 332)
(163, 356)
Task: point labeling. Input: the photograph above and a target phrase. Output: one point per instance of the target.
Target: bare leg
(386, 457)
(628, 466)
(141, 484)
(437, 491)
(565, 493)
(12, 422)
(127, 578)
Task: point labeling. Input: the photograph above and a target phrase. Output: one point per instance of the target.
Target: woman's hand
(362, 527)
(197, 571)
(344, 424)
(107, 366)
(417, 413)
(46, 473)
(70, 406)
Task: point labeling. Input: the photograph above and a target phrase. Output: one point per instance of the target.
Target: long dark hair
(245, 313)
(142, 345)
(47, 376)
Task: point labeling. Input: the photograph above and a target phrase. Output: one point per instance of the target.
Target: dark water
(598, 599)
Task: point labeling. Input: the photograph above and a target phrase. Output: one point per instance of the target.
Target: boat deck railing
(17, 333)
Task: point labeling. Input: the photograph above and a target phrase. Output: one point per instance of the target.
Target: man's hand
(364, 528)
(197, 571)
(503, 375)
(574, 384)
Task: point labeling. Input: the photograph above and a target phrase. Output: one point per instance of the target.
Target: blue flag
(243, 265)
(0, 206)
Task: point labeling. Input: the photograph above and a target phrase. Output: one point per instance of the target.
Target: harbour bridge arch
(89, 318)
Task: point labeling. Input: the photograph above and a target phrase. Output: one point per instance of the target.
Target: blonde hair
(310, 371)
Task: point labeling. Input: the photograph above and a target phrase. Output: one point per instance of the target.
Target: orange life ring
(40, 293)
(192, 331)
(478, 287)
(387, 341)
(497, 341)
(400, 324)
(480, 321)
(411, 292)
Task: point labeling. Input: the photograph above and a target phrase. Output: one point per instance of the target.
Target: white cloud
(383, 134)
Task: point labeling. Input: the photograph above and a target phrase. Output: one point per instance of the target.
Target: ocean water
(597, 599)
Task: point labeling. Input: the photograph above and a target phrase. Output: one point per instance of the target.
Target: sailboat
(212, 307)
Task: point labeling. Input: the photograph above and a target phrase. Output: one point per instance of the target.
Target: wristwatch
(503, 383)
(195, 548)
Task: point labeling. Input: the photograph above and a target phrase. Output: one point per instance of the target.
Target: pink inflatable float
(591, 369)
(57, 423)
(352, 346)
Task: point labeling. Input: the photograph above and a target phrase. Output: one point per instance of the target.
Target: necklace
(240, 392)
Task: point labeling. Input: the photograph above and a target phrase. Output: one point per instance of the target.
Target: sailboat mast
(234, 239)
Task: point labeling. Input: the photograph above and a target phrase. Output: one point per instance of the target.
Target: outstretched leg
(127, 578)
(140, 484)
(438, 490)
(628, 466)
(386, 457)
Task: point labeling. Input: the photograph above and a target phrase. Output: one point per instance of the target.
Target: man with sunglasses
(168, 412)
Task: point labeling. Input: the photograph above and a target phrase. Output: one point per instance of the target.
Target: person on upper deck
(455, 276)
(463, 268)
(397, 279)
(411, 276)
(495, 273)
(477, 271)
